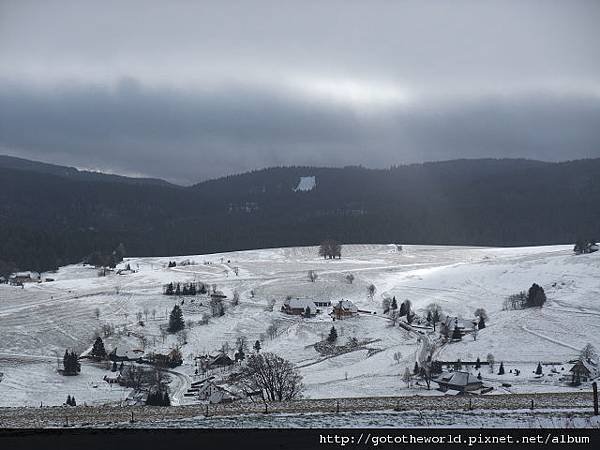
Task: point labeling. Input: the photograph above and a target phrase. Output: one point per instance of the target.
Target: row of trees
(184, 288)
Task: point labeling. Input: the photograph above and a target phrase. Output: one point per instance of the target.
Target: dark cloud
(187, 91)
(187, 136)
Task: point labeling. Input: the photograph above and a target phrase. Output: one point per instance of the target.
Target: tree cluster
(71, 400)
(583, 246)
(535, 297)
(71, 363)
(158, 397)
(330, 249)
(181, 289)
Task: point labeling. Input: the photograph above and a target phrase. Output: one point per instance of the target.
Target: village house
(215, 394)
(300, 306)
(449, 324)
(583, 371)
(19, 278)
(344, 309)
(210, 362)
(458, 381)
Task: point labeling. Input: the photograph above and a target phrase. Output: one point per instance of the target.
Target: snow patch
(306, 184)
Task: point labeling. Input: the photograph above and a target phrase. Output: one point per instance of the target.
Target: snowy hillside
(39, 321)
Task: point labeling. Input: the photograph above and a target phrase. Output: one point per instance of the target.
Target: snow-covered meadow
(38, 321)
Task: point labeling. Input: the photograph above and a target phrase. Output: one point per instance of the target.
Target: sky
(188, 91)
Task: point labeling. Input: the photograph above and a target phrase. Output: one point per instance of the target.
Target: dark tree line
(330, 249)
(50, 220)
(184, 289)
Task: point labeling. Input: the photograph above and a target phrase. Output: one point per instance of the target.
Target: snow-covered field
(39, 321)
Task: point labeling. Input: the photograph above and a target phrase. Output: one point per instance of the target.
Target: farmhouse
(209, 362)
(458, 381)
(215, 394)
(17, 279)
(450, 323)
(300, 306)
(584, 370)
(343, 309)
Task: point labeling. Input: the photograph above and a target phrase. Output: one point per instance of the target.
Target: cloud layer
(193, 91)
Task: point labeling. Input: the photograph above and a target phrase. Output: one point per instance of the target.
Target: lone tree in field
(407, 377)
(371, 289)
(98, 350)
(539, 370)
(257, 346)
(330, 249)
(349, 278)
(277, 378)
(176, 322)
(490, 361)
(482, 316)
(332, 335)
(535, 296)
(501, 369)
(312, 275)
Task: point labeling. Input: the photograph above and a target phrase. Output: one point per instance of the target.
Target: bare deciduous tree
(349, 278)
(277, 378)
(371, 291)
(312, 275)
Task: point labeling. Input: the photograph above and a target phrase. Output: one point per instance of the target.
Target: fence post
(206, 414)
(595, 388)
(470, 405)
(131, 416)
(532, 404)
(337, 407)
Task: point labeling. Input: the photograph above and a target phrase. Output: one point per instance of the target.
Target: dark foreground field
(524, 410)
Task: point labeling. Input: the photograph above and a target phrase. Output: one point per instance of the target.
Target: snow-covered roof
(346, 305)
(458, 378)
(590, 366)
(300, 303)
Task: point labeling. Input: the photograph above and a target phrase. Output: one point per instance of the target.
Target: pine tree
(416, 368)
(394, 304)
(481, 324)
(501, 369)
(479, 377)
(478, 363)
(539, 370)
(98, 350)
(307, 312)
(176, 322)
(73, 402)
(69, 400)
(429, 317)
(114, 367)
(257, 346)
(332, 335)
(456, 334)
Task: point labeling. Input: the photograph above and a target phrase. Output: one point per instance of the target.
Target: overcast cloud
(193, 90)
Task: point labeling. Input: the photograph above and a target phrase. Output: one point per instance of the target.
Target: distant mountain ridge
(53, 216)
(12, 162)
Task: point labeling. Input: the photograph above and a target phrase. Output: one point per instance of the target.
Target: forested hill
(53, 217)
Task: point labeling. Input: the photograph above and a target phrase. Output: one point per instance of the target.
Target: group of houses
(309, 307)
